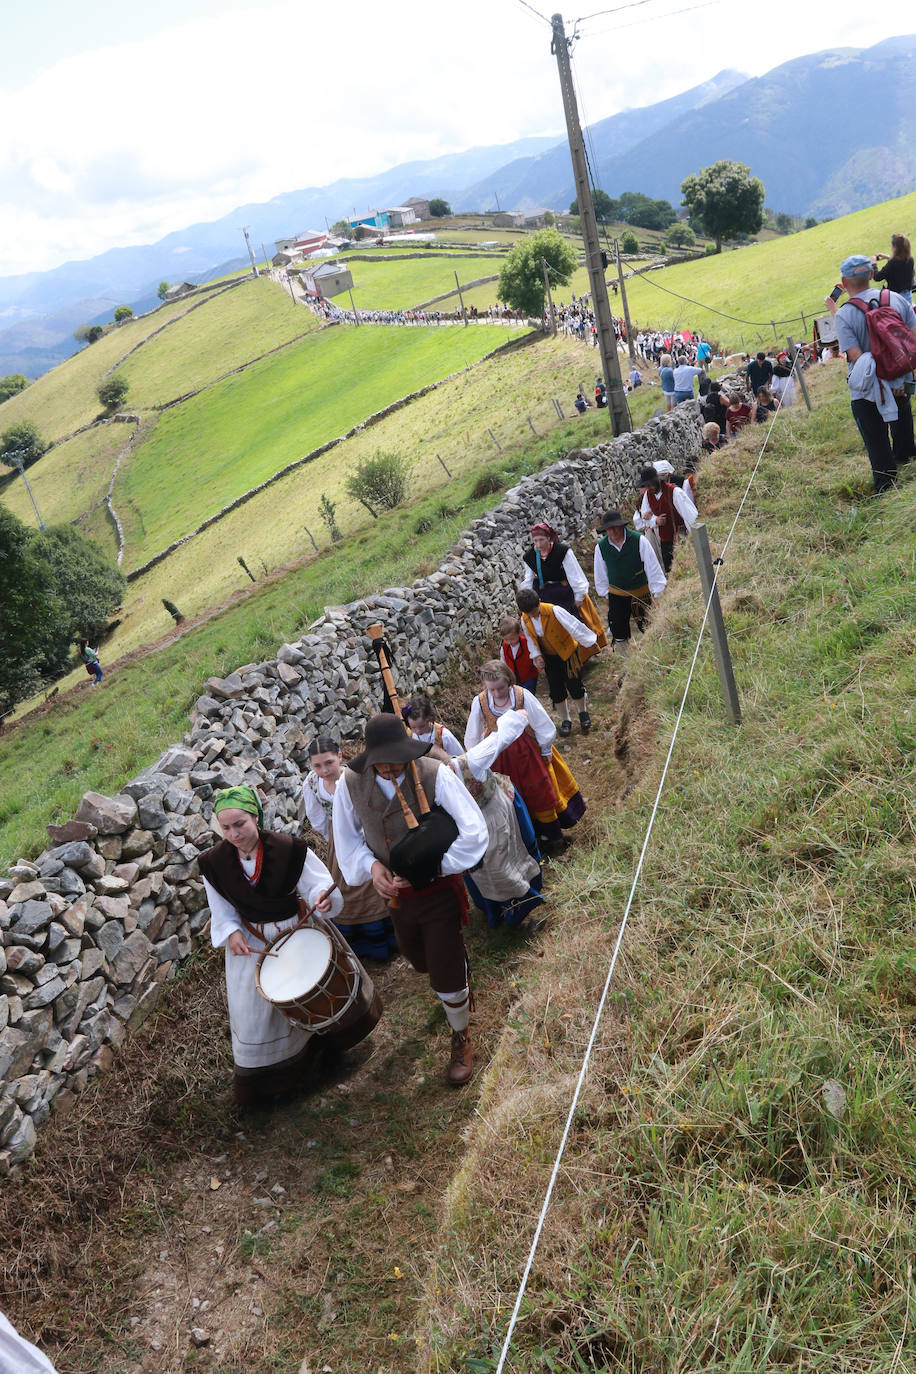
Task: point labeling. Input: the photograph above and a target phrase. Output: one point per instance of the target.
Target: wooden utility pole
(553, 318)
(799, 372)
(607, 340)
(631, 347)
(464, 313)
(716, 623)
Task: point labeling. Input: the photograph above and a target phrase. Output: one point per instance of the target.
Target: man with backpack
(877, 332)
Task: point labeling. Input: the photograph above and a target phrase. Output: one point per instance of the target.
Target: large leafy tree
(439, 208)
(646, 213)
(12, 384)
(55, 587)
(30, 607)
(88, 586)
(606, 209)
(21, 441)
(521, 281)
(725, 199)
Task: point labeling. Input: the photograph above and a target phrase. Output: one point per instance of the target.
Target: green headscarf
(239, 799)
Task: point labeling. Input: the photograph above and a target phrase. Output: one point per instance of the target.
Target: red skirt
(521, 761)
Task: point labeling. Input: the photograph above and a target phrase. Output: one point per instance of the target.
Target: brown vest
(274, 896)
(382, 820)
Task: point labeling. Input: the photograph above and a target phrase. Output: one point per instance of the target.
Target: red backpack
(890, 341)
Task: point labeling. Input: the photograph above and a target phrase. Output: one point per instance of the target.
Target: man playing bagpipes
(407, 824)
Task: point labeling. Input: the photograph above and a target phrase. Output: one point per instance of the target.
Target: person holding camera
(878, 405)
(897, 272)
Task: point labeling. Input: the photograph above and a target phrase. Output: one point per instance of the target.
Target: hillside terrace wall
(99, 921)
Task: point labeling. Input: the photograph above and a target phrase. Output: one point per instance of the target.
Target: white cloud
(122, 143)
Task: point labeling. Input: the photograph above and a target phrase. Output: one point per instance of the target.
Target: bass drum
(313, 977)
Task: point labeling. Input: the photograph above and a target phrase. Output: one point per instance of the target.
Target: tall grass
(738, 1188)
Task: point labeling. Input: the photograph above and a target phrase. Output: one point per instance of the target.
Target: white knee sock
(562, 709)
(457, 1008)
(580, 705)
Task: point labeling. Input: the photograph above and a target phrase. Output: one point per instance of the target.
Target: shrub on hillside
(112, 391)
(327, 509)
(629, 243)
(487, 483)
(12, 384)
(123, 312)
(380, 482)
(681, 236)
(22, 441)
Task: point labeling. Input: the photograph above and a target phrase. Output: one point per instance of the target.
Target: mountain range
(792, 126)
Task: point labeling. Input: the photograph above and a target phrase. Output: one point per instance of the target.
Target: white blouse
(545, 732)
(313, 880)
(356, 858)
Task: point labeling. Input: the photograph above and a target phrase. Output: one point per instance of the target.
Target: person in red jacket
(665, 508)
(515, 653)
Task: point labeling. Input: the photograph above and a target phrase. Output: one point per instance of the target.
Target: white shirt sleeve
(473, 837)
(600, 570)
(684, 507)
(481, 758)
(354, 857)
(650, 521)
(224, 918)
(450, 744)
(545, 732)
(580, 632)
(473, 733)
(315, 814)
(314, 880)
(533, 650)
(575, 576)
(654, 572)
(528, 579)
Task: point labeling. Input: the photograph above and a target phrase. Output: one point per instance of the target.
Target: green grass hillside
(64, 398)
(767, 281)
(738, 1189)
(400, 285)
(237, 433)
(230, 330)
(72, 478)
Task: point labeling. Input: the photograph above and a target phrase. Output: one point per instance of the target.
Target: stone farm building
(326, 280)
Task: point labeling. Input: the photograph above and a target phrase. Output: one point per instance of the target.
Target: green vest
(625, 571)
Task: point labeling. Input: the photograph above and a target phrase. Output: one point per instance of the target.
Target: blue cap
(855, 265)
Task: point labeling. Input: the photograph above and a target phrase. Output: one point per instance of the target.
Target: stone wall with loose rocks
(96, 924)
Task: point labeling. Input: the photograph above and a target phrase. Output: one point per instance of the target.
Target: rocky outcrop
(93, 927)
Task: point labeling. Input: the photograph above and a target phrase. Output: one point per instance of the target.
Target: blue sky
(121, 122)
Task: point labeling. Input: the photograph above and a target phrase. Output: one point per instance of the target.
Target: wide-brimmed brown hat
(610, 520)
(388, 742)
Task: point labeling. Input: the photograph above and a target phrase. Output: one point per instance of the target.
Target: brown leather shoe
(461, 1064)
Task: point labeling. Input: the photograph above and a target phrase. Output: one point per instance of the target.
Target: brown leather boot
(461, 1064)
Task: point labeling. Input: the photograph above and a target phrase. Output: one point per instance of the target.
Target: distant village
(389, 226)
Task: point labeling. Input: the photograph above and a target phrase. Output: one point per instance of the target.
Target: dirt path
(156, 1231)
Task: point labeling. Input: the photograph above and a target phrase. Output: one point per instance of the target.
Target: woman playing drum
(364, 921)
(253, 880)
(537, 769)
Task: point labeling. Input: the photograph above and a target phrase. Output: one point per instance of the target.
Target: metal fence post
(716, 623)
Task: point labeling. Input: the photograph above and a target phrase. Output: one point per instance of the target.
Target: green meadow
(776, 280)
(72, 478)
(233, 328)
(204, 453)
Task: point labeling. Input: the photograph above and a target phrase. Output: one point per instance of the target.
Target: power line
(756, 324)
(535, 12)
(632, 5)
(652, 18)
(625, 918)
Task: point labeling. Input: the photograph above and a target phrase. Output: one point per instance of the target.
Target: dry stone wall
(95, 925)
